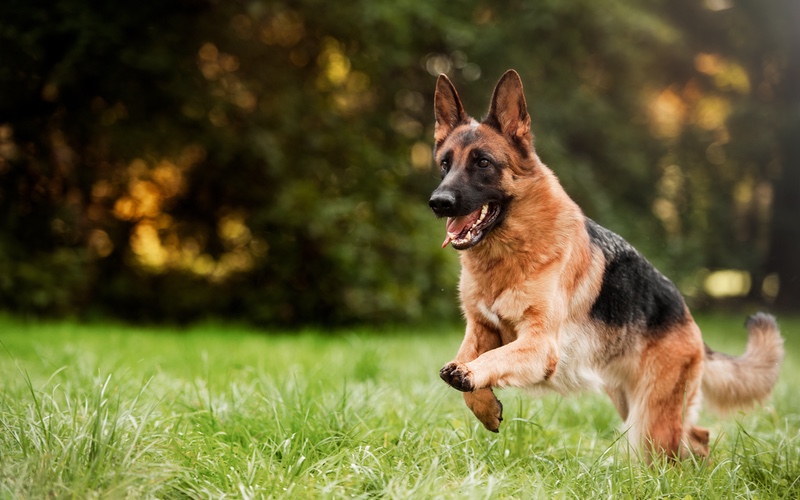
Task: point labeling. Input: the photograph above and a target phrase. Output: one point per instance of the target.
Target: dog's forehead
(466, 139)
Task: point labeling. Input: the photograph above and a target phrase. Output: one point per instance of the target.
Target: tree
(267, 161)
(784, 246)
(755, 44)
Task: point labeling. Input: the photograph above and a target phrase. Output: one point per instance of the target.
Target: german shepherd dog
(552, 300)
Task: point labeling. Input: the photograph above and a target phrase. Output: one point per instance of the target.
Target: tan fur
(527, 291)
(738, 383)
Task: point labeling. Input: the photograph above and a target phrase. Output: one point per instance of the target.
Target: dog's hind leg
(665, 400)
(483, 403)
(698, 439)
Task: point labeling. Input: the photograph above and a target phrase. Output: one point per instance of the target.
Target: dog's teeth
(484, 210)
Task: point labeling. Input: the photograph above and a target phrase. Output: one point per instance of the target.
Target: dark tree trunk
(784, 250)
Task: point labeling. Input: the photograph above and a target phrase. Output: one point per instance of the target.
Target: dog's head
(479, 161)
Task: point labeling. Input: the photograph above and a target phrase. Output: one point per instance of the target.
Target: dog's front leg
(524, 362)
(530, 359)
(484, 404)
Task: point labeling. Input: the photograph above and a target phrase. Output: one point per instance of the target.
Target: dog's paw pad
(456, 376)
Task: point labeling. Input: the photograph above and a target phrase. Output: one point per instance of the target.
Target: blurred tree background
(271, 161)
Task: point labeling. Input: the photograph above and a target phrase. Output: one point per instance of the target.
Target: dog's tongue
(456, 225)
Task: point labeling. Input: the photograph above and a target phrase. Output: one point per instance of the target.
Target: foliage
(271, 160)
(217, 411)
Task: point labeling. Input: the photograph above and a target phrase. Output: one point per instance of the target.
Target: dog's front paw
(457, 376)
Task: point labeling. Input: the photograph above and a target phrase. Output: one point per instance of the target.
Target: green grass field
(113, 411)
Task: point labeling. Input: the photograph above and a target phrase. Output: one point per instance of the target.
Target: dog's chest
(577, 353)
(489, 314)
(577, 350)
(507, 333)
(504, 314)
(507, 306)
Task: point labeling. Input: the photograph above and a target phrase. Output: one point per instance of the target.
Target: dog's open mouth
(467, 230)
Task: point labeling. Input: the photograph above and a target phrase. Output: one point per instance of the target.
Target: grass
(109, 411)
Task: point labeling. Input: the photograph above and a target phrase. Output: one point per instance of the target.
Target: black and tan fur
(552, 300)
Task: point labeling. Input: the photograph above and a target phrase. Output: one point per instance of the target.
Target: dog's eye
(445, 164)
(484, 163)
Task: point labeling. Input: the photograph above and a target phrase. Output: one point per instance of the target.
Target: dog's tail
(730, 382)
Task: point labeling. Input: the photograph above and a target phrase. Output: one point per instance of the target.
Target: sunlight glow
(156, 242)
(771, 286)
(285, 28)
(728, 283)
(717, 5)
(349, 89)
(421, 156)
(667, 114)
(727, 75)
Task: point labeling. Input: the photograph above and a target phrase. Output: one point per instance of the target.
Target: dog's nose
(442, 202)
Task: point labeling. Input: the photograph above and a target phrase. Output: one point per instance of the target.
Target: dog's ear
(447, 108)
(508, 111)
